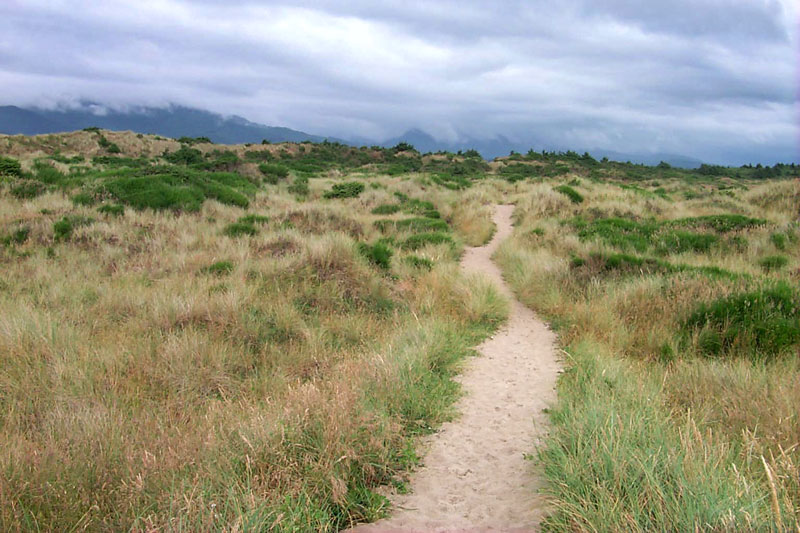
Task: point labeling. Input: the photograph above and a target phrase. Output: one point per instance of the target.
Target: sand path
(475, 476)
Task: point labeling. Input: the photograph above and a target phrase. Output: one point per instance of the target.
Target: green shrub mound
(602, 264)
(422, 263)
(240, 229)
(299, 186)
(10, 167)
(419, 240)
(379, 254)
(254, 219)
(63, 229)
(112, 209)
(273, 173)
(178, 189)
(771, 263)
(574, 196)
(760, 324)
(417, 224)
(720, 223)
(386, 209)
(350, 189)
(18, 236)
(626, 234)
(220, 268)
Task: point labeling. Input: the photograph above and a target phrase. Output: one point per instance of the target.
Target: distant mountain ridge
(178, 121)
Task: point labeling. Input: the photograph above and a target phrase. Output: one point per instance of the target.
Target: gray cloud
(715, 79)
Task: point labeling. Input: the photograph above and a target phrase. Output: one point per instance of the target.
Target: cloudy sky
(714, 79)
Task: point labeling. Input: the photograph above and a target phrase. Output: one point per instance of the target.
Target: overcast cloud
(713, 79)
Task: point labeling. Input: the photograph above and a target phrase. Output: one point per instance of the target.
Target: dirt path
(475, 476)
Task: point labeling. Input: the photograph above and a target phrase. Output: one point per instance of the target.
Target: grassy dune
(200, 337)
(678, 409)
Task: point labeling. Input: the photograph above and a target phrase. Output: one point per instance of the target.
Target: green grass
(240, 229)
(772, 263)
(350, 189)
(379, 254)
(220, 268)
(417, 224)
(762, 324)
(112, 209)
(417, 241)
(626, 234)
(254, 219)
(574, 196)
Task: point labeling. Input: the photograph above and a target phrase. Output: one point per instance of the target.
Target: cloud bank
(712, 79)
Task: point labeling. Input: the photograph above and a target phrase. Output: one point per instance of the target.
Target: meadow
(203, 337)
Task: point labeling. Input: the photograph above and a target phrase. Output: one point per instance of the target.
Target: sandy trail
(475, 477)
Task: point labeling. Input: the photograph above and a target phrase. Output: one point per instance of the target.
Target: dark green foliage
(194, 140)
(299, 186)
(601, 264)
(254, 219)
(350, 189)
(184, 156)
(720, 223)
(112, 209)
(628, 234)
(220, 268)
(92, 129)
(416, 241)
(771, 263)
(18, 236)
(386, 209)
(109, 147)
(451, 181)
(258, 155)
(779, 240)
(412, 224)
(379, 254)
(119, 162)
(62, 229)
(574, 196)
(760, 324)
(273, 172)
(180, 189)
(47, 174)
(240, 229)
(10, 167)
(221, 161)
(404, 147)
(419, 262)
(26, 189)
(83, 198)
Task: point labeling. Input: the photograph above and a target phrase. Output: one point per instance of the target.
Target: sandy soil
(475, 476)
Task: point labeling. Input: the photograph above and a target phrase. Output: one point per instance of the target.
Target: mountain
(173, 121)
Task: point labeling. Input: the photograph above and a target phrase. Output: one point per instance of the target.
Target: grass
(574, 196)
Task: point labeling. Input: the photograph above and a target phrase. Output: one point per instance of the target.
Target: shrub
(184, 156)
(220, 268)
(720, 223)
(47, 174)
(419, 240)
(299, 186)
(419, 262)
(773, 262)
(273, 172)
(574, 196)
(18, 236)
(62, 229)
(254, 219)
(240, 229)
(83, 198)
(412, 224)
(386, 209)
(10, 167)
(112, 209)
(779, 240)
(27, 189)
(350, 189)
(379, 254)
(761, 323)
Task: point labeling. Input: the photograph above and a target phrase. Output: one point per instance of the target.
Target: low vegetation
(201, 337)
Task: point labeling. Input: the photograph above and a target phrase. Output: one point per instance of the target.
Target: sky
(712, 79)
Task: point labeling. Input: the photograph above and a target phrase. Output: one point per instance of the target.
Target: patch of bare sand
(475, 476)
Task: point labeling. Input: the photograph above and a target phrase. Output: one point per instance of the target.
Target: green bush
(720, 223)
(27, 189)
(10, 167)
(779, 240)
(419, 262)
(18, 236)
(299, 186)
(240, 229)
(220, 268)
(273, 173)
(773, 262)
(112, 209)
(760, 324)
(386, 209)
(412, 224)
(419, 240)
(254, 219)
(184, 156)
(350, 189)
(574, 196)
(47, 174)
(379, 254)
(83, 198)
